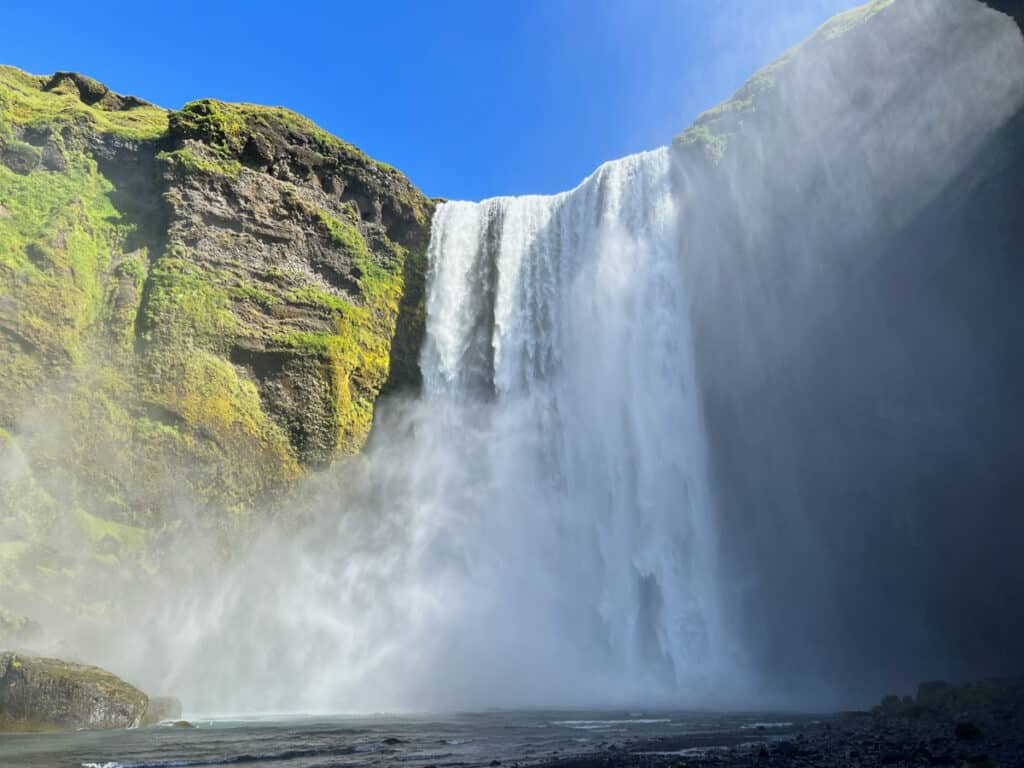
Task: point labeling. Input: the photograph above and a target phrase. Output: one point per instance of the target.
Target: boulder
(39, 694)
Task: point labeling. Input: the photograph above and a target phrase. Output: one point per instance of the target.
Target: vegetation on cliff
(196, 308)
(712, 130)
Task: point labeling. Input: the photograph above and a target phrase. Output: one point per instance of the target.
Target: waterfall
(536, 527)
(561, 323)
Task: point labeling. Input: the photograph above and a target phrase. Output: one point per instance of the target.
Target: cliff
(853, 226)
(196, 308)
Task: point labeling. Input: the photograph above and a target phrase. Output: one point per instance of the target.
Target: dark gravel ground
(851, 739)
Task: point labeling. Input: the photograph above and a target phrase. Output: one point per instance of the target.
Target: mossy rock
(40, 694)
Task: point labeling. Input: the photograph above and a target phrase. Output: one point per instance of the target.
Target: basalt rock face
(854, 229)
(307, 239)
(38, 694)
(196, 309)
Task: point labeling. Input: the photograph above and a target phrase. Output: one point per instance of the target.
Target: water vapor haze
(729, 431)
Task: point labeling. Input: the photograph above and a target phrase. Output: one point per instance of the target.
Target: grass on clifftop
(226, 126)
(229, 128)
(25, 102)
(712, 130)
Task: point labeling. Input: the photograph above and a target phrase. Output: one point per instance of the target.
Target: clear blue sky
(471, 98)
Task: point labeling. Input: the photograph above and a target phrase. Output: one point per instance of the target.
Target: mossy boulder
(39, 694)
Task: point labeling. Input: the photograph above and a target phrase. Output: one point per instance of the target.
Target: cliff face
(854, 229)
(196, 307)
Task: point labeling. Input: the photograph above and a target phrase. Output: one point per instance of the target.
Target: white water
(536, 529)
(567, 316)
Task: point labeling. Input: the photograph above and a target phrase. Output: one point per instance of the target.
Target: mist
(729, 431)
(854, 271)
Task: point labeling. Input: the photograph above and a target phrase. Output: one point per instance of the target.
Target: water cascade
(561, 322)
(536, 527)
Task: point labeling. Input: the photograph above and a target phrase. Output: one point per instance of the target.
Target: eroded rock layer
(196, 308)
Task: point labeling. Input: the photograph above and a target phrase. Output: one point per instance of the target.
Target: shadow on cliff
(856, 301)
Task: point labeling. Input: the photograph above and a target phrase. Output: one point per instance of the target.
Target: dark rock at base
(980, 701)
(786, 748)
(38, 694)
(934, 695)
(894, 758)
(160, 709)
(891, 705)
(967, 731)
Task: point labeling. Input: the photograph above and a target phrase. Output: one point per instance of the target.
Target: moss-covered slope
(196, 308)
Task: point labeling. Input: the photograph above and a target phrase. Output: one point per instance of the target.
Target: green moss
(220, 126)
(207, 393)
(316, 297)
(131, 538)
(253, 295)
(187, 305)
(19, 154)
(844, 22)
(124, 293)
(189, 330)
(404, 371)
(357, 353)
(131, 268)
(26, 102)
(713, 130)
(228, 128)
(186, 161)
(165, 407)
(55, 247)
(12, 550)
(703, 137)
(343, 235)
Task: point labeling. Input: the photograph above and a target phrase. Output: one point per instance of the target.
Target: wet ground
(557, 739)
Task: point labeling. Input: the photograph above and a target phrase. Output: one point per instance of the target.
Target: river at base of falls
(456, 741)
